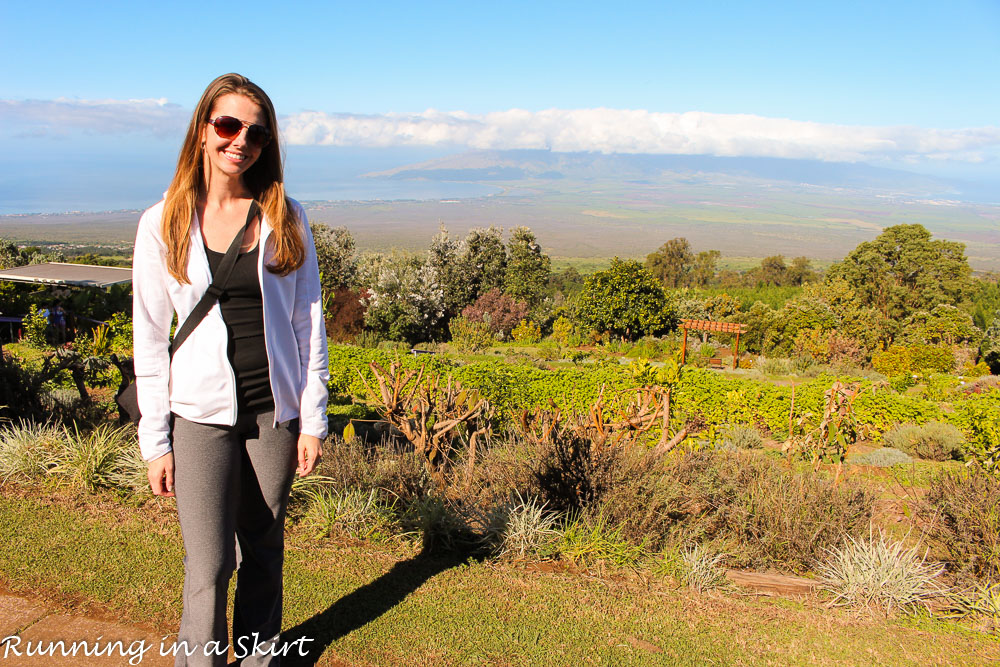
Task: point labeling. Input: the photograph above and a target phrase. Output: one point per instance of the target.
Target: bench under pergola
(710, 325)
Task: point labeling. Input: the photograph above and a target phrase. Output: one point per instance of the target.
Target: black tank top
(243, 311)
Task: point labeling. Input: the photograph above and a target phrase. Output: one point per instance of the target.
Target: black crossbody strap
(217, 288)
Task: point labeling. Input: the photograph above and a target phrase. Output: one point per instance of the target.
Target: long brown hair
(264, 180)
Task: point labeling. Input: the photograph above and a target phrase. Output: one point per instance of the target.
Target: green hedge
(718, 399)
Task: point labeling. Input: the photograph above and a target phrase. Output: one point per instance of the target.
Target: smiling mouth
(235, 157)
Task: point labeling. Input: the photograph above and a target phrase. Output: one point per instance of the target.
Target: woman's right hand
(161, 475)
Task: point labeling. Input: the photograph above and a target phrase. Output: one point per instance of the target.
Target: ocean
(90, 175)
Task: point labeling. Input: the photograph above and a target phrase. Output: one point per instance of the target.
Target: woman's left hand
(310, 452)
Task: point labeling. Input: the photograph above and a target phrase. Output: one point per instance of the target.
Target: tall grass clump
(964, 511)
(696, 567)
(880, 574)
(982, 601)
(701, 569)
(353, 512)
(27, 450)
(590, 540)
(103, 457)
(521, 528)
(935, 441)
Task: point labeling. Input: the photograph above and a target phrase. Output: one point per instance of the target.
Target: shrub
(740, 436)
(527, 333)
(394, 346)
(885, 457)
(549, 351)
(34, 326)
(344, 313)
(773, 366)
(934, 440)
(906, 359)
(978, 370)
(367, 339)
(399, 475)
(439, 522)
(981, 416)
(746, 503)
(981, 600)
(501, 313)
(562, 330)
(879, 573)
(965, 511)
(469, 335)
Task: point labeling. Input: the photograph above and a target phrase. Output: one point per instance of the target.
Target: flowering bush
(501, 313)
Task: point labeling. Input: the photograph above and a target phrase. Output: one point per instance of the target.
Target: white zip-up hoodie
(199, 384)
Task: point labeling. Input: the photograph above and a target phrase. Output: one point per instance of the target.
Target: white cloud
(600, 130)
(638, 131)
(63, 117)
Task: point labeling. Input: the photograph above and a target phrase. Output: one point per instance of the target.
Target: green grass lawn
(385, 605)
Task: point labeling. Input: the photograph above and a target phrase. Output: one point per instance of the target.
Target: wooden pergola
(709, 325)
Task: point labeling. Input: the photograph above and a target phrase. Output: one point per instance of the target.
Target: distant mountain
(514, 165)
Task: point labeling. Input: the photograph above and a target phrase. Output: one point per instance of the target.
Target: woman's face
(232, 157)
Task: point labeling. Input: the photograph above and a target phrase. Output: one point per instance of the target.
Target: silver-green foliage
(521, 528)
(701, 569)
(879, 573)
(934, 440)
(740, 436)
(27, 450)
(884, 457)
(103, 457)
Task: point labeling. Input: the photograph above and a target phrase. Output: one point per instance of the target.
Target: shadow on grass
(367, 603)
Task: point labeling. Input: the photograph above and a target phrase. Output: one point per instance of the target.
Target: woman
(244, 398)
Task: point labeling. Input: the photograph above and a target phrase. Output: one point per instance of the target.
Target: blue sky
(891, 82)
(930, 64)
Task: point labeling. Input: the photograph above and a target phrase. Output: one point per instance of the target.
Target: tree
(671, 264)
(338, 265)
(989, 349)
(944, 324)
(903, 271)
(404, 301)
(10, 255)
(442, 257)
(703, 270)
(799, 272)
(772, 271)
(483, 262)
(625, 300)
(528, 268)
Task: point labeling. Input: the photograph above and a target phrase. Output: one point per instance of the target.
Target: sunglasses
(228, 127)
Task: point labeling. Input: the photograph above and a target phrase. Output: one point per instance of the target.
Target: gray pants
(232, 486)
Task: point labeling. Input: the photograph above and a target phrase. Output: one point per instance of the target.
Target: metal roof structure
(75, 275)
